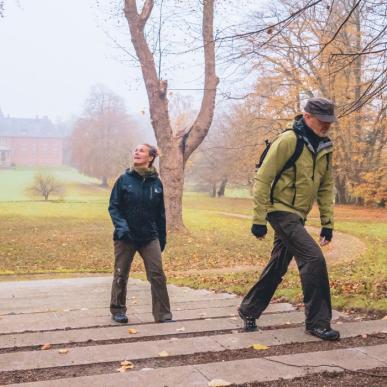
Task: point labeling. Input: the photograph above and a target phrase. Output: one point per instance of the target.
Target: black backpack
(290, 163)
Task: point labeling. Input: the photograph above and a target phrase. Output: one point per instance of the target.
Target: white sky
(53, 51)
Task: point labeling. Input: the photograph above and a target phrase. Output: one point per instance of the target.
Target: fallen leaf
(45, 346)
(259, 346)
(233, 318)
(127, 363)
(132, 331)
(63, 351)
(163, 354)
(218, 383)
(364, 336)
(385, 317)
(182, 329)
(134, 302)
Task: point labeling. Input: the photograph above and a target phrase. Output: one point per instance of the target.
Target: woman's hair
(153, 152)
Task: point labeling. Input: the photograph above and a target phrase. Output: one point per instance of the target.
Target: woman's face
(141, 157)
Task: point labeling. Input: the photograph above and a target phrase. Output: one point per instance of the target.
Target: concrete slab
(287, 367)
(100, 317)
(140, 350)
(116, 332)
(379, 353)
(238, 371)
(106, 353)
(296, 335)
(185, 376)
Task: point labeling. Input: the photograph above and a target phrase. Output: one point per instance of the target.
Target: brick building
(30, 142)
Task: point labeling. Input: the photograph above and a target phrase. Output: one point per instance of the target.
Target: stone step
(144, 305)
(101, 317)
(238, 371)
(174, 346)
(121, 331)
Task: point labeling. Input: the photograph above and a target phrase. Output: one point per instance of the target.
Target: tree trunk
(213, 190)
(222, 187)
(104, 181)
(172, 174)
(175, 148)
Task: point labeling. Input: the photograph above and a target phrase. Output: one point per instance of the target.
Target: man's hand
(325, 236)
(259, 230)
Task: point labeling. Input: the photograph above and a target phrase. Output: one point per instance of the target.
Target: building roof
(29, 127)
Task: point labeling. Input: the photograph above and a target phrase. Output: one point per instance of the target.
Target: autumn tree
(176, 146)
(104, 136)
(328, 50)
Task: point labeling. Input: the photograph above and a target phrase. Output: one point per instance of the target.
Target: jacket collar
(299, 126)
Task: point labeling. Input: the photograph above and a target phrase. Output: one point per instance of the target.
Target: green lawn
(75, 236)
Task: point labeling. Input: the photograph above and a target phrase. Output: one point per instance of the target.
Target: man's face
(319, 127)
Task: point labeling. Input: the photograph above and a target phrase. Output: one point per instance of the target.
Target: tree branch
(200, 127)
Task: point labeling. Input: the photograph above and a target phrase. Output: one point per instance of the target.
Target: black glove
(163, 242)
(326, 233)
(259, 230)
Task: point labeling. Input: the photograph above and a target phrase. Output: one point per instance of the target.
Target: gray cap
(321, 108)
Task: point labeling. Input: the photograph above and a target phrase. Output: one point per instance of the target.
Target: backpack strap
(290, 163)
(263, 155)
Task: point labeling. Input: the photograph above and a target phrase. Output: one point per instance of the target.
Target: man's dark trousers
(292, 240)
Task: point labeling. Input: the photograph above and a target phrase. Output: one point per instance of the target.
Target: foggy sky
(54, 51)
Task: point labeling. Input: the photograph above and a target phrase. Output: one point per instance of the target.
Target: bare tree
(46, 185)
(104, 136)
(176, 147)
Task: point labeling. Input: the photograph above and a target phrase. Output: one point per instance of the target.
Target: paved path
(205, 343)
(344, 247)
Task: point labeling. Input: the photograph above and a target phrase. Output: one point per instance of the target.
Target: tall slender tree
(176, 147)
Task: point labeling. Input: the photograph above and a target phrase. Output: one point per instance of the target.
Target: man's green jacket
(298, 187)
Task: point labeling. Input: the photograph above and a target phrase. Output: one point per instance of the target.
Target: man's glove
(259, 230)
(163, 242)
(326, 233)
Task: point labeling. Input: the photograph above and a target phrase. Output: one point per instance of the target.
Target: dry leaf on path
(163, 354)
(182, 329)
(259, 347)
(45, 346)
(132, 331)
(384, 318)
(63, 351)
(218, 383)
(125, 365)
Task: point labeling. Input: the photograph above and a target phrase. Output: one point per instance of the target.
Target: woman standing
(137, 210)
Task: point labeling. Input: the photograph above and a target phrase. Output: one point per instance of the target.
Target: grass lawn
(75, 236)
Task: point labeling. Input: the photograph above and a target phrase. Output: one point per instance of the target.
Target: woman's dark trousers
(292, 240)
(124, 253)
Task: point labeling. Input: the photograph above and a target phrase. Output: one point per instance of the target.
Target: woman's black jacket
(137, 208)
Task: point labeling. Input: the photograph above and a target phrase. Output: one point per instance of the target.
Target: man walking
(296, 170)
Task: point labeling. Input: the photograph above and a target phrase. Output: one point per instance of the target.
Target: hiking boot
(120, 317)
(324, 333)
(250, 324)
